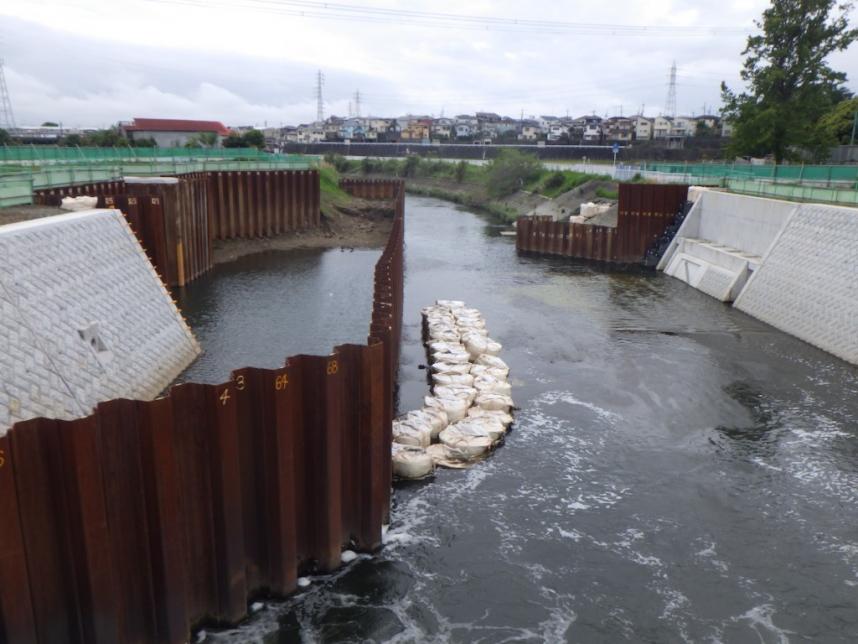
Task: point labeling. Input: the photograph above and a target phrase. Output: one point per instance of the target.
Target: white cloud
(95, 63)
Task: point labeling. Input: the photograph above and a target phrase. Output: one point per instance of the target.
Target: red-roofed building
(171, 133)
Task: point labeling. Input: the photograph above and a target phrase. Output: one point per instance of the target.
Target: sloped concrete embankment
(790, 265)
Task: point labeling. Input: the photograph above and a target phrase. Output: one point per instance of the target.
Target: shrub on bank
(511, 170)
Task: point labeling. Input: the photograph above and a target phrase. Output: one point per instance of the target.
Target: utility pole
(854, 123)
(357, 103)
(320, 103)
(7, 118)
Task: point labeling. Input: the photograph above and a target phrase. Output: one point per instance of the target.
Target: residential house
(662, 127)
(683, 127)
(726, 128)
(643, 128)
(169, 133)
(556, 131)
(443, 128)
(311, 133)
(618, 129)
(418, 129)
(530, 131)
(591, 128)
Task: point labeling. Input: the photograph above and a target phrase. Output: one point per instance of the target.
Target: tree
(5, 137)
(233, 141)
(71, 140)
(50, 124)
(253, 139)
(108, 138)
(840, 122)
(790, 85)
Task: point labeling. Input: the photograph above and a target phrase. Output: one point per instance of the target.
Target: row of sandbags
(469, 410)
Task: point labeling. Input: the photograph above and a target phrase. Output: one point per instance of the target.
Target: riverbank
(508, 188)
(351, 223)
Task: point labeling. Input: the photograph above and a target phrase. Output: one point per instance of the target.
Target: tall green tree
(790, 85)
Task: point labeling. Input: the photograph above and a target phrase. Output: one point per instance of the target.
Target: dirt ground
(361, 224)
(567, 204)
(14, 214)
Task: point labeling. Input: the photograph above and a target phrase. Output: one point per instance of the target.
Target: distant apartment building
(171, 133)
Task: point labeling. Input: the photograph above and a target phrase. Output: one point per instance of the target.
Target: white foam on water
(762, 622)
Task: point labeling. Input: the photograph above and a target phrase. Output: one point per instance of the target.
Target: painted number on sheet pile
(281, 381)
(224, 397)
(333, 367)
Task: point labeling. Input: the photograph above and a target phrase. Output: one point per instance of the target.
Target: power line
(404, 17)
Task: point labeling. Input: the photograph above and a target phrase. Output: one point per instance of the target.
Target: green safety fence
(794, 192)
(17, 188)
(59, 154)
(817, 174)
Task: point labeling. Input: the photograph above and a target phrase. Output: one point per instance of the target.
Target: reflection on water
(260, 309)
(677, 472)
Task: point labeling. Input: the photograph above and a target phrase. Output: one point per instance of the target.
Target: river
(677, 471)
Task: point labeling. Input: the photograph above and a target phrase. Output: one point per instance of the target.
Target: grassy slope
(470, 191)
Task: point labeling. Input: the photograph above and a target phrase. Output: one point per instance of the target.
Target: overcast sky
(96, 62)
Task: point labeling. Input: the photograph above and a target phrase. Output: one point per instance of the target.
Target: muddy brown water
(677, 471)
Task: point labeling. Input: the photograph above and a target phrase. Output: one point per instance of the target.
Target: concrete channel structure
(145, 519)
(788, 264)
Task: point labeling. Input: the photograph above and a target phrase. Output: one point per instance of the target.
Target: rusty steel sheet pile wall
(372, 188)
(644, 212)
(145, 519)
(263, 203)
(176, 223)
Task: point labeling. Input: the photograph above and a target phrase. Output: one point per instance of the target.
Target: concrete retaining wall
(791, 265)
(83, 318)
(806, 285)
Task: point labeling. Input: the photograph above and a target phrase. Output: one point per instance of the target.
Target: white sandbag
(482, 370)
(79, 203)
(503, 417)
(466, 312)
(493, 348)
(463, 392)
(494, 402)
(442, 347)
(469, 440)
(427, 420)
(492, 361)
(408, 433)
(444, 336)
(456, 357)
(450, 304)
(412, 462)
(444, 456)
(453, 379)
(452, 367)
(482, 425)
(438, 420)
(475, 344)
(455, 408)
(487, 384)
